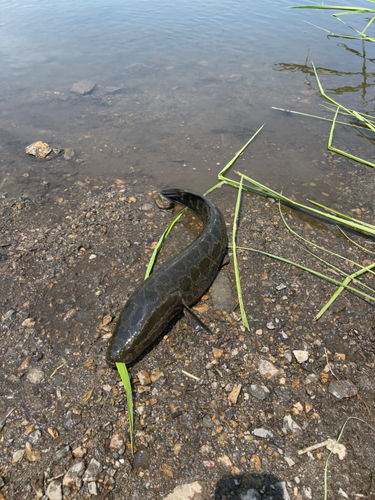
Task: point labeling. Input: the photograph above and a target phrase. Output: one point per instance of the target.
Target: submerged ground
(231, 411)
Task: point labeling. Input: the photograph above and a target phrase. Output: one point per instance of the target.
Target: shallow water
(195, 81)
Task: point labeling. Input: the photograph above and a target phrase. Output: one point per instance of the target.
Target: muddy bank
(230, 411)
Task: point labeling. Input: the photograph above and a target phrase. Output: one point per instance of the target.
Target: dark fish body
(177, 284)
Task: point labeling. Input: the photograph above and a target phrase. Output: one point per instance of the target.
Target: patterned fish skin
(181, 281)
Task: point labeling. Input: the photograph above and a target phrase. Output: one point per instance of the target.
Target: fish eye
(130, 348)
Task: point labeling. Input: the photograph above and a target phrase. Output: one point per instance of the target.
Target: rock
(221, 294)
(93, 490)
(39, 149)
(54, 490)
(256, 462)
(156, 374)
(234, 78)
(117, 441)
(307, 492)
(289, 461)
(8, 314)
(259, 391)
(225, 460)
(68, 154)
(144, 378)
(166, 470)
(35, 375)
(92, 471)
(189, 491)
(83, 87)
(262, 433)
(112, 90)
(29, 323)
(60, 454)
(291, 426)
(74, 473)
(147, 206)
(25, 364)
(342, 389)
(79, 452)
(301, 356)
(339, 449)
(32, 456)
(34, 436)
(251, 495)
(217, 352)
(270, 325)
(233, 396)
(17, 456)
(141, 460)
(267, 369)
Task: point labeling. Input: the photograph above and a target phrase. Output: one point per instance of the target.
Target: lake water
(194, 80)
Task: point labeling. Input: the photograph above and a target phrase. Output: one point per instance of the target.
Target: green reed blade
(238, 283)
(121, 367)
(354, 242)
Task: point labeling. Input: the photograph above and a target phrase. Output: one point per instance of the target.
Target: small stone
(342, 389)
(83, 87)
(156, 374)
(112, 89)
(35, 375)
(54, 490)
(339, 449)
(60, 454)
(144, 377)
(217, 352)
(267, 369)
(291, 426)
(262, 433)
(79, 452)
(70, 314)
(289, 461)
(92, 471)
(39, 149)
(8, 314)
(117, 441)
(307, 492)
(205, 449)
(256, 462)
(270, 325)
(177, 448)
(343, 494)
(280, 287)
(53, 432)
(34, 436)
(301, 356)
(24, 365)
(141, 460)
(93, 490)
(74, 472)
(166, 470)
(225, 460)
(107, 319)
(68, 154)
(233, 396)
(17, 456)
(29, 323)
(234, 78)
(147, 206)
(189, 491)
(251, 495)
(259, 391)
(32, 456)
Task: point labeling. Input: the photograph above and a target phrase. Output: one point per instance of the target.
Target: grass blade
(238, 283)
(121, 367)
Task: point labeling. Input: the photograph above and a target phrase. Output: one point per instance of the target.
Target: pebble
(93, 490)
(259, 391)
(74, 473)
(117, 441)
(291, 426)
(251, 495)
(39, 149)
(8, 314)
(60, 454)
(83, 87)
(54, 490)
(301, 356)
(342, 389)
(267, 369)
(112, 89)
(34, 436)
(92, 471)
(222, 294)
(68, 154)
(141, 460)
(35, 375)
(225, 460)
(262, 433)
(339, 449)
(32, 456)
(217, 352)
(307, 492)
(147, 206)
(17, 456)
(233, 396)
(270, 325)
(28, 323)
(166, 470)
(189, 491)
(144, 377)
(79, 452)
(289, 461)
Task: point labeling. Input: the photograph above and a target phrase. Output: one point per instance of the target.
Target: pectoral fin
(194, 321)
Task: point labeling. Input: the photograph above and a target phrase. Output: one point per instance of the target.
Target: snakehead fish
(173, 287)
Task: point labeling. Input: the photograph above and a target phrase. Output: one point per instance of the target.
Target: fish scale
(173, 287)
